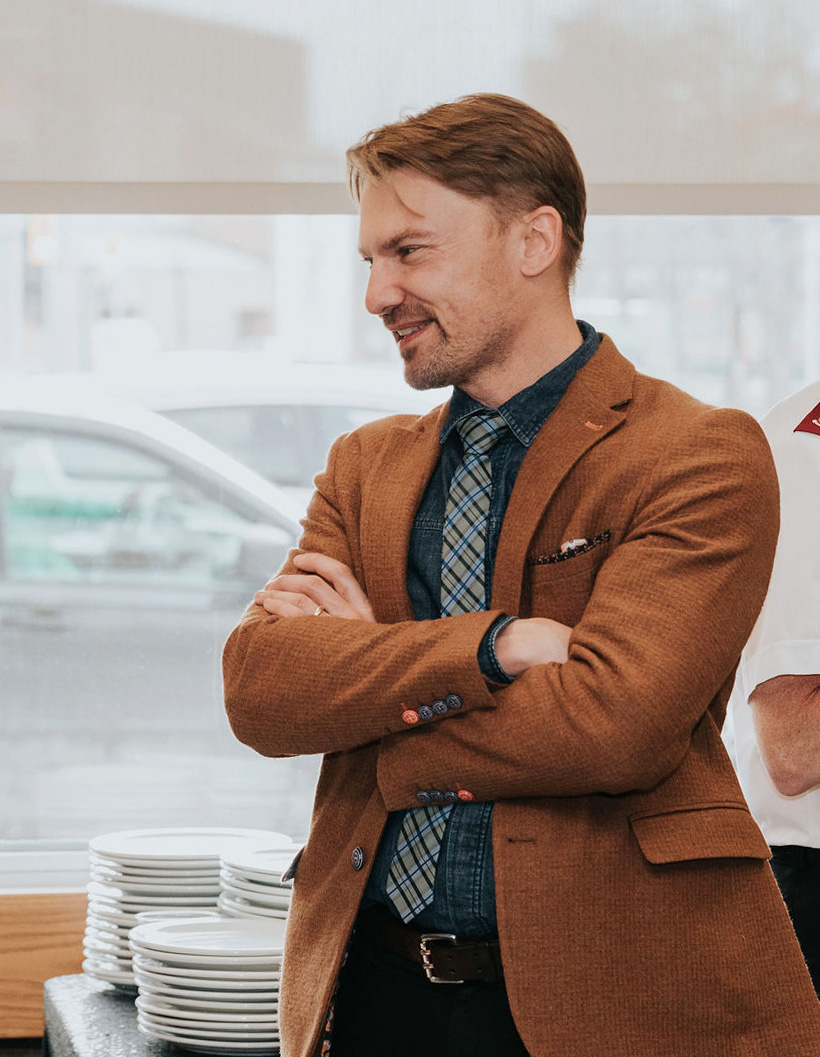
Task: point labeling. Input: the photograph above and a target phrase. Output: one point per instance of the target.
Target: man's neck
(536, 353)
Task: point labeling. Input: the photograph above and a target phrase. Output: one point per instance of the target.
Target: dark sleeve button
(423, 797)
(437, 796)
(465, 794)
(357, 858)
(409, 716)
(425, 712)
(453, 701)
(451, 797)
(441, 708)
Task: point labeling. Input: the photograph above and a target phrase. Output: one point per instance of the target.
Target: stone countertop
(85, 1017)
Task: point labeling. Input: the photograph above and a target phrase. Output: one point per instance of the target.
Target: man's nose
(383, 291)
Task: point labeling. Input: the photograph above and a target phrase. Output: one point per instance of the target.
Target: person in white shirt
(775, 706)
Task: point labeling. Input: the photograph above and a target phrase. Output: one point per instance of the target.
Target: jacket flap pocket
(708, 832)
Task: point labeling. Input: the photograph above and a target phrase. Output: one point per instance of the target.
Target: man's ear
(542, 241)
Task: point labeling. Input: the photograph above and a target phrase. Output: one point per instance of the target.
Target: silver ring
(317, 612)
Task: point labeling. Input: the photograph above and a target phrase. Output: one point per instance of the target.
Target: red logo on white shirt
(811, 423)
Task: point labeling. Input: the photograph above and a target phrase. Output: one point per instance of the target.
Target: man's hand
(523, 644)
(322, 581)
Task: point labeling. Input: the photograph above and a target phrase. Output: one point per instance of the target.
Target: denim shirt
(464, 892)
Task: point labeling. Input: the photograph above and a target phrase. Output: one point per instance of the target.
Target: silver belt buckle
(427, 955)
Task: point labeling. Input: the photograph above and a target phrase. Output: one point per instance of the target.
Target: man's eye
(405, 251)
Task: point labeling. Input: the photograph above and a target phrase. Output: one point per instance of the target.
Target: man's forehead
(408, 205)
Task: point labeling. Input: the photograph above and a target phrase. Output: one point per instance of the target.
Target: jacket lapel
(399, 477)
(592, 407)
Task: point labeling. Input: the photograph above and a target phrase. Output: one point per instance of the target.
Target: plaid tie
(412, 872)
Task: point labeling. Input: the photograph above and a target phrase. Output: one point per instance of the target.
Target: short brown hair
(486, 146)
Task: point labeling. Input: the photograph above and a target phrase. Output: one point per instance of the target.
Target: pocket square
(572, 549)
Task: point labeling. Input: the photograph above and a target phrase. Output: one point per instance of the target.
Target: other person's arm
(786, 713)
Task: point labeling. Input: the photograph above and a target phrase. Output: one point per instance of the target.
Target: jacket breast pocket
(704, 832)
(560, 590)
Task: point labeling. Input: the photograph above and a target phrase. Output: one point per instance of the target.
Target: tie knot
(481, 430)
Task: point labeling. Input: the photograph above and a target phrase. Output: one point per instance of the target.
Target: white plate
(210, 971)
(172, 845)
(114, 897)
(105, 971)
(218, 992)
(262, 1028)
(159, 869)
(256, 884)
(94, 942)
(200, 1032)
(181, 887)
(264, 899)
(270, 981)
(209, 1047)
(160, 1011)
(107, 913)
(224, 938)
(243, 908)
(216, 962)
(94, 921)
(150, 867)
(267, 861)
(179, 913)
(170, 1002)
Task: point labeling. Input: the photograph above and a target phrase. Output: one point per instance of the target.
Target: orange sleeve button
(409, 716)
(465, 794)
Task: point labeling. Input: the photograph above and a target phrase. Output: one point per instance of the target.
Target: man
(776, 704)
(537, 808)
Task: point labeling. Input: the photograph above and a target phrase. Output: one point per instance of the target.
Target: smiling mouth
(404, 334)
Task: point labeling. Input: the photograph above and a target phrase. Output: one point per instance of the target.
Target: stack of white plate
(210, 986)
(252, 884)
(153, 869)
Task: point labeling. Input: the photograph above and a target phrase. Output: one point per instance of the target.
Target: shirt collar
(527, 411)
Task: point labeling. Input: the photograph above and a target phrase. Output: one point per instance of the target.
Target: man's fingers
(342, 579)
(317, 591)
(282, 604)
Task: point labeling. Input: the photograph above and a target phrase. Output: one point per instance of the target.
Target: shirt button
(425, 712)
(437, 796)
(451, 797)
(453, 701)
(465, 794)
(409, 716)
(423, 796)
(357, 858)
(441, 708)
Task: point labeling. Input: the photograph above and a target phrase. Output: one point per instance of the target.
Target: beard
(437, 362)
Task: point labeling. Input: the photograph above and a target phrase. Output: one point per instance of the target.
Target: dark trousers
(798, 873)
(386, 1007)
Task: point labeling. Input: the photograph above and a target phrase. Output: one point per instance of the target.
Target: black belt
(444, 958)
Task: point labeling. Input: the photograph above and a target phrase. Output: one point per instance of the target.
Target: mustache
(405, 314)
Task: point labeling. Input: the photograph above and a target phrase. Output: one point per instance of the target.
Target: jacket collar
(593, 406)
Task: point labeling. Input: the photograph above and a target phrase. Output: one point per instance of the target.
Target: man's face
(443, 278)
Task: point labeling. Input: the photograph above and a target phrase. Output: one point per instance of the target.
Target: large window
(141, 355)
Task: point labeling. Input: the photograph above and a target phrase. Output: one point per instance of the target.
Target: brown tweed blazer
(637, 913)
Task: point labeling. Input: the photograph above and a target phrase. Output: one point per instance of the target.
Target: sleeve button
(357, 858)
(409, 716)
(441, 708)
(465, 794)
(423, 796)
(450, 797)
(453, 701)
(425, 712)
(437, 796)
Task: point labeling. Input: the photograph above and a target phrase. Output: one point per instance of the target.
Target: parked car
(279, 419)
(128, 549)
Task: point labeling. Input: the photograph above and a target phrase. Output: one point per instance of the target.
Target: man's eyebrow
(405, 236)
